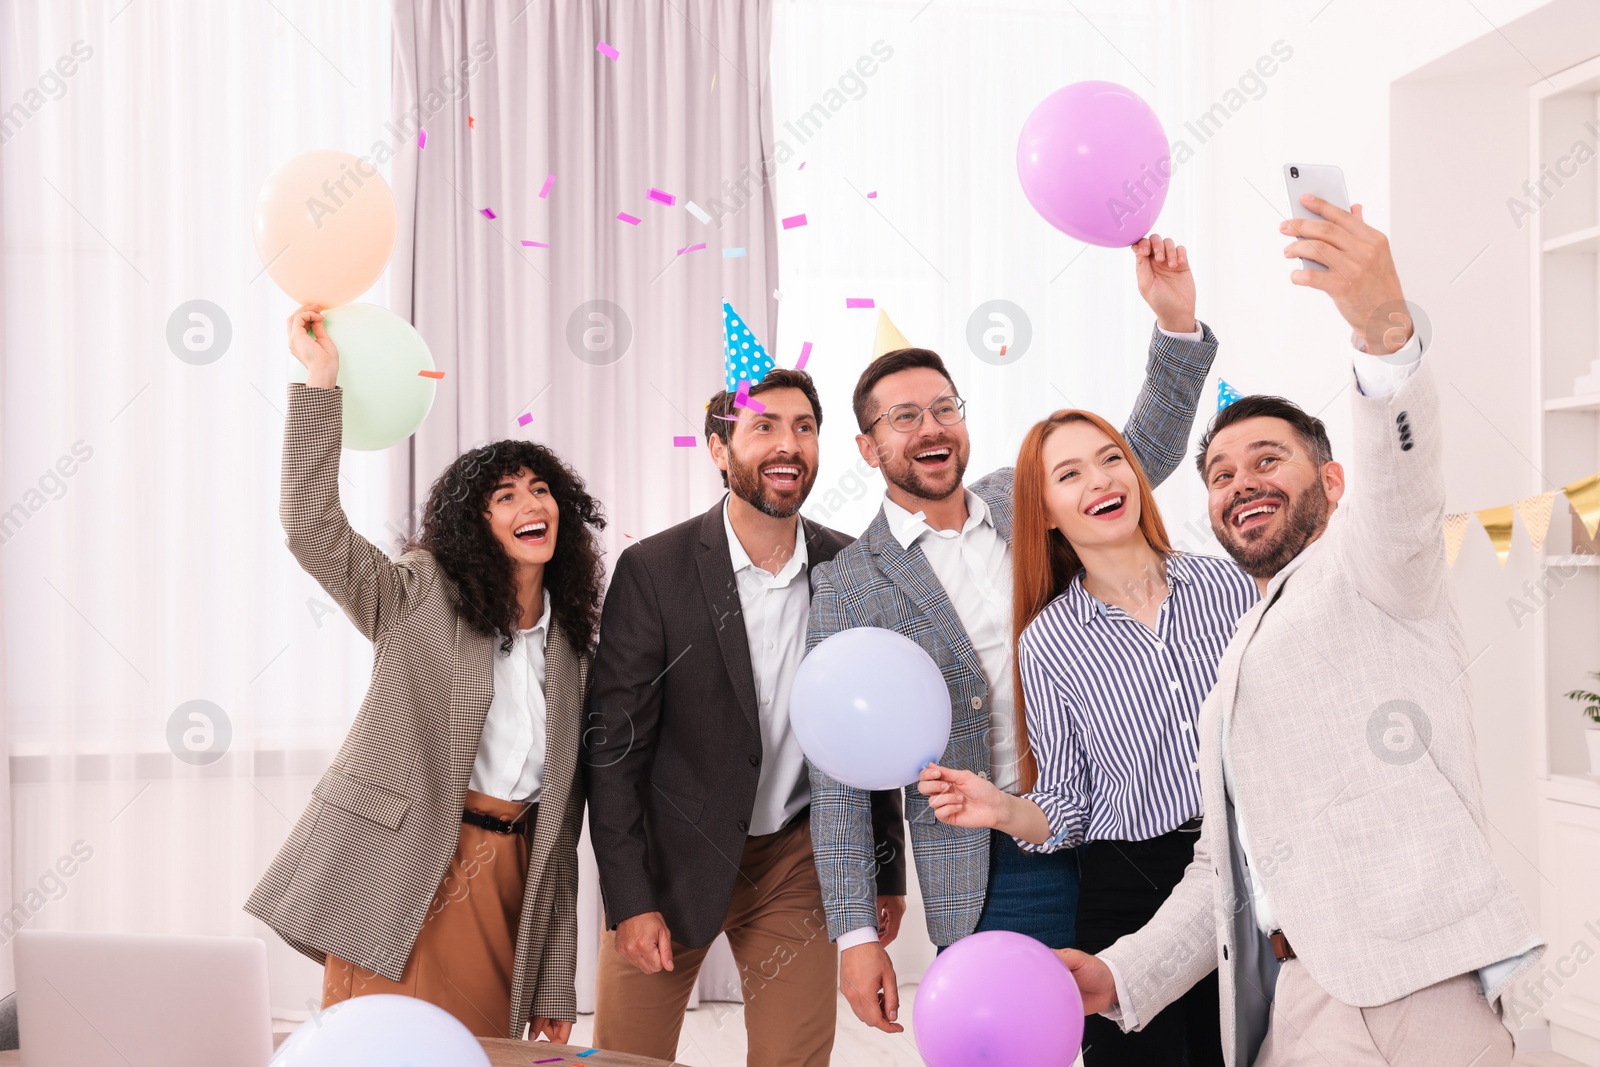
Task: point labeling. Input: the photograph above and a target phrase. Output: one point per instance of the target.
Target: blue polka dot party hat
(742, 353)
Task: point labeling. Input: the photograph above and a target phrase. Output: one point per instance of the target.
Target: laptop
(136, 1000)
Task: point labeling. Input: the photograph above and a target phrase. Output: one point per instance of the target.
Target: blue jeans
(1033, 893)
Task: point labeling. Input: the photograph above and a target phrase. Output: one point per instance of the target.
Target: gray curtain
(683, 108)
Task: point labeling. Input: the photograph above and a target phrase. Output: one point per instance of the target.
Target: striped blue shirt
(1113, 706)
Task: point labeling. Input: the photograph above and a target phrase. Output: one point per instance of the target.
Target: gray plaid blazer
(875, 582)
(362, 864)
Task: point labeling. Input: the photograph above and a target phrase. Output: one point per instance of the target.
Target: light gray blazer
(1369, 836)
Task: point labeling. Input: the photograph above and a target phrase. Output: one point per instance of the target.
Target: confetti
(859, 302)
(776, 295)
(591, 1052)
(801, 167)
(660, 197)
(683, 442)
(623, 216)
(873, 195)
(544, 194)
(1003, 349)
(472, 123)
(558, 1058)
(697, 211)
(606, 50)
(524, 419)
(733, 253)
(745, 400)
(726, 418)
(794, 220)
(486, 213)
(692, 248)
(422, 138)
(534, 244)
(805, 354)
(434, 374)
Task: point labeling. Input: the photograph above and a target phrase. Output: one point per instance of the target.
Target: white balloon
(382, 1030)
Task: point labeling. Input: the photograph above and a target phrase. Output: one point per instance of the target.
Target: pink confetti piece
(422, 137)
(743, 392)
(623, 216)
(486, 213)
(683, 442)
(805, 354)
(544, 194)
(534, 244)
(750, 402)
(606, 50)
(660, 197)
(692, 248)
(697, 211)
(873, 195)
(794, 220)
(524, 419)
(434, 374)
(726, 418)
(801, 167)
(558, 1058)
(733, 253)
(859, 302)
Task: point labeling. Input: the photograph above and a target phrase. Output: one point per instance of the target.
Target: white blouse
(510, 760)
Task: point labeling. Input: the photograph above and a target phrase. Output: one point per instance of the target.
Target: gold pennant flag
(1584, 496)
(1497, 524)
(1535, 512)
(1455, 530)
(888, 339)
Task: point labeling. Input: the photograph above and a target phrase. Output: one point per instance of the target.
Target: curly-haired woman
(438, 855)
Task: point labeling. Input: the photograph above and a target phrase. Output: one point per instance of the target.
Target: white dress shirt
(776, 608)
(510, 760)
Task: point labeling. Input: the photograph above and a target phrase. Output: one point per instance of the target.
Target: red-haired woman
(1118, 638)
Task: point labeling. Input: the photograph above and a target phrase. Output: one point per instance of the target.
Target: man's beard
(1304, 518)
(747, 484)
(909, 479)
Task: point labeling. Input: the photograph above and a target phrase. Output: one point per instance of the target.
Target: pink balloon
(1094, 161)
(325, 224)
(998, 998)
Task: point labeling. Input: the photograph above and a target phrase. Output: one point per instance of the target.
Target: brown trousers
(787, 966)
(466, 952)
(1445, 1025)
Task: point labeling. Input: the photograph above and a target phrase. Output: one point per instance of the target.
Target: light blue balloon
(385, 399)
(870, 708)
(381, 1030)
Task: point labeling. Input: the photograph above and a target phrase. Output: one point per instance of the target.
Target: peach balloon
(324, 226)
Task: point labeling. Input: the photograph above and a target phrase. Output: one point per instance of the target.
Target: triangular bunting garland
(1497, 524)
(1535, 512)
(1455, 531)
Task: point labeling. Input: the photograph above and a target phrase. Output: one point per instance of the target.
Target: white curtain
(921, 103)
(143, 563)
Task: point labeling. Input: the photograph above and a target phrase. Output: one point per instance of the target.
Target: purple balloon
(1001, 998)
(870, 708)
(1094, 161)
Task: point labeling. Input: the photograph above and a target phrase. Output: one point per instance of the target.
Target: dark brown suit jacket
(672, 735)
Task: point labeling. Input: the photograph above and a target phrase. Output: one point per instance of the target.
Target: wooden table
(502, 1053)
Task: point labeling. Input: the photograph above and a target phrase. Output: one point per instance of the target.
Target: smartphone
(1318, 179)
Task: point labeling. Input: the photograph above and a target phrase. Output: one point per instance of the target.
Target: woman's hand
(557, 1030)
(315, 350)
(961, 798)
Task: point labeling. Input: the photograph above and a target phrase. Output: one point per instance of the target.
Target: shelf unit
(1564, 246)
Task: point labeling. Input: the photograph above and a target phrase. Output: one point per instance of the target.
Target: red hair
(1043, 561)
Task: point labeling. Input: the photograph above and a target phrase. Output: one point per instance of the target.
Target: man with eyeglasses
(935, 566)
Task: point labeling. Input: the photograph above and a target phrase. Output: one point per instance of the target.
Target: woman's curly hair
(455, 529)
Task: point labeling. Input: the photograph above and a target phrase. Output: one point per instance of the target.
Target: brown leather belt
(1281, 947)
(500, 826)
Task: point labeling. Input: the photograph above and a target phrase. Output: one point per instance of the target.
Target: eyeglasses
(947, 411)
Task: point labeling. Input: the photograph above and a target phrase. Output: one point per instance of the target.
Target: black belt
(501, 826)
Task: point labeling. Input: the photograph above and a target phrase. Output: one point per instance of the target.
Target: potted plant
(1591, 709)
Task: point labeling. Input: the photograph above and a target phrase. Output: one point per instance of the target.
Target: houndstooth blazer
(361, 866)
(875, 582)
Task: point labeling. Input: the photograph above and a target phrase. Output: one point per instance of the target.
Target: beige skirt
(466, 953)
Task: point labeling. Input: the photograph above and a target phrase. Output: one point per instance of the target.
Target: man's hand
(866, 978)
(645, 942)
(557, 1030)
(890, 911)
(1095, 984)
(1166, 283)
(315, 350)
(1360, 277)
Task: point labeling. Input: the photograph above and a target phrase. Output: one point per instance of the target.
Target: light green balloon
(385, 399)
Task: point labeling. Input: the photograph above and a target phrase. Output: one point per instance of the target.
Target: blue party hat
(744, 356)
(1226, 394)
